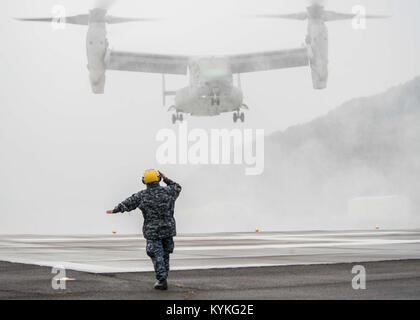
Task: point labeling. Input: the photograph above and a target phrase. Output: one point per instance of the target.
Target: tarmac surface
(114, 253)
(281, 265)
(385, 280)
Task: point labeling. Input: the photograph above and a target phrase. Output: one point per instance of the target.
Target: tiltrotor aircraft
(212, 88)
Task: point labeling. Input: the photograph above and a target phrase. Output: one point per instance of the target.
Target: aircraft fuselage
(211, 90)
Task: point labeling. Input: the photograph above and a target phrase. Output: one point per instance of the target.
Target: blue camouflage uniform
(157, 204)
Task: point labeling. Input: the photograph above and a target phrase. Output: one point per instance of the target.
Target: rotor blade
(334, 16)
(35, 19)
(82, 19)
(114, 20)
(292, 16)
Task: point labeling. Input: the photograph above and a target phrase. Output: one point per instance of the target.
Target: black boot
(161, 285)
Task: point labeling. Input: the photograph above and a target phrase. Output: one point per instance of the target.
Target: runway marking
(100, 269)
(308, 245)
(108, 254)
(260, 236)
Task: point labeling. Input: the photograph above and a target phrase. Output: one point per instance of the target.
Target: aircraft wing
(149, 63)
(264, 61)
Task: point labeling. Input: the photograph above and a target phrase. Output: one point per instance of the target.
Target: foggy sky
(68, 155)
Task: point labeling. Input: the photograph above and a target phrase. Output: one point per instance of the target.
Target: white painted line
(302, 245)
(105, 269)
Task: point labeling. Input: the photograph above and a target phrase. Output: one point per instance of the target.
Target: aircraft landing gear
(215, 96)
(238, 116)
(177, 117)
(215, 101)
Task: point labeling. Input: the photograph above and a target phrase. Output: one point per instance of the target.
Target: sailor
(157, 204)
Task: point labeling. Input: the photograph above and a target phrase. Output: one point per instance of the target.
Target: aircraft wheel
(181, 117)
(242, 117)
(174, 119)
(235, 117)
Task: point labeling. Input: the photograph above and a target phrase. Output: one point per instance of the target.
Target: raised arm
(171, 185)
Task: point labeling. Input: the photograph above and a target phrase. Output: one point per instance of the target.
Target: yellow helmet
(150, 176)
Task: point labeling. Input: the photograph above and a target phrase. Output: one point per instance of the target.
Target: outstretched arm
(127, 205)
(173, 186)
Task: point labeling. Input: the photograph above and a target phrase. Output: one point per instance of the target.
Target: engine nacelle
(317, 41)
(96, 50)
(97, 82)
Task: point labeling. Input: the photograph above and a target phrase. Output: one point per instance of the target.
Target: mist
(68, 155)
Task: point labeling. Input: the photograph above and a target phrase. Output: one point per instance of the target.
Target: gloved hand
(162, 175)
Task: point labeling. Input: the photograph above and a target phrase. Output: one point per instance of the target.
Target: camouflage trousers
(159, 251)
